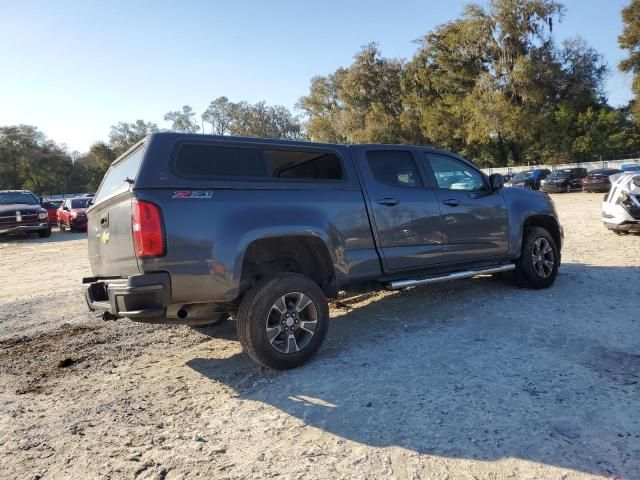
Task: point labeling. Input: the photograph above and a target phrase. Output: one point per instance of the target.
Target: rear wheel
(538, 264)
(61, 226)
(283, 320)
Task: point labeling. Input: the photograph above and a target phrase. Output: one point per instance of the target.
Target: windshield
(80, 203)
(522, 176)
(560, 173)
(7, 198)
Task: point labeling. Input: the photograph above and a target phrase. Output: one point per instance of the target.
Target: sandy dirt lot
(474, 379)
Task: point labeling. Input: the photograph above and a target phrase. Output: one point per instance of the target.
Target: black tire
(44, 233)
(527, 274)
(61, 226)
(567, 188)
(257, 311)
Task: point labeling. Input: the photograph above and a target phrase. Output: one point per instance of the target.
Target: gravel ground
(472, 379)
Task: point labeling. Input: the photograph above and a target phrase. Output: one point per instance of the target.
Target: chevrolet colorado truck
(192, 229)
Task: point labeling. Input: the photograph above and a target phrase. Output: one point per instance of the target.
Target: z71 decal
(192, 194)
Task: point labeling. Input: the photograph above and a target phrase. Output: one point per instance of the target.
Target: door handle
(388, 201)
(452, 202)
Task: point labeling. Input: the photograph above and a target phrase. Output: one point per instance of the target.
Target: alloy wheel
(542, 257)
(291, 322)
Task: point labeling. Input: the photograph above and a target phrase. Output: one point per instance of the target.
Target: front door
(474, 218)
(406, 215)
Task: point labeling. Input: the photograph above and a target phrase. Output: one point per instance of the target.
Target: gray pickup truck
(192, 229)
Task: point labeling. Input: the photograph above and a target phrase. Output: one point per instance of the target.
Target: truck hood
(12, 207)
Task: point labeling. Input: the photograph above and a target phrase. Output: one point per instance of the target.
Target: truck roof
(231, 138)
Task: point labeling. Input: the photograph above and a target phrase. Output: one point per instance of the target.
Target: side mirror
(497, 181)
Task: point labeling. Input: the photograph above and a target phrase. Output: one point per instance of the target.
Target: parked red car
(72, 214)
(51, 206)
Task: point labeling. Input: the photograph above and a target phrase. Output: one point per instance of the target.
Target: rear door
(474, 218)
(110, 238)
(406, 218)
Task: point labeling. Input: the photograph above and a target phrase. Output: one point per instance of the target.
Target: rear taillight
(585, 179)
(148, 234)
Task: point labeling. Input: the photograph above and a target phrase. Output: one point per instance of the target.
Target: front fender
(525, 207)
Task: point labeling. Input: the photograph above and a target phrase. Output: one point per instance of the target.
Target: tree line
(492, 85)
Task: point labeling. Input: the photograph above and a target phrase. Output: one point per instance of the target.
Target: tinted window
(522, 176)
(211, 161)
(453, 174)
(214, 161)
(7, 198)
(394, 168)
(115, 180)
(80, 203)
(303, 165)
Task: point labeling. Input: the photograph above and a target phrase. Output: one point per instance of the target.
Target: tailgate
(110, 238)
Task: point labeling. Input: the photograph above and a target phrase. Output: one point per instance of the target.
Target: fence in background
(61, 196)
(587, 165)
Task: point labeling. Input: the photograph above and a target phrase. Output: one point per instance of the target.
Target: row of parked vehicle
(567, 179)
(21, 211)
(69, 213)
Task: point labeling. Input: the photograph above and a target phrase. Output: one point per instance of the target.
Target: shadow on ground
(56, 236)
(477, 370)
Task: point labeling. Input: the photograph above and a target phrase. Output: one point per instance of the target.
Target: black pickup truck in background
(189, 229)
(21, 212)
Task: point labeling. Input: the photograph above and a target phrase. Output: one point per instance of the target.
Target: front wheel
(283, 320)
(538, 264)
(44, 233)
(567, 188)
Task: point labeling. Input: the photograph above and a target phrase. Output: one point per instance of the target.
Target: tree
(29, 160)
(360, 104)
(262, 120)
(125, 135)
(491, 85)
(95, 163)
(324, 109)
(219, 115)
(630, 40)
(183, 121)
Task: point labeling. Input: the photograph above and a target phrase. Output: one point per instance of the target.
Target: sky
(74, 68)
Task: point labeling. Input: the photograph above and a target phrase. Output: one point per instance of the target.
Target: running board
(400, 284)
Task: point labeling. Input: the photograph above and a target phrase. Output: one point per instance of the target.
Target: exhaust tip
(182, 313)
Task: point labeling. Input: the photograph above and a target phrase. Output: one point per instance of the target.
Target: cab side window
(452, 174)
(394, 167)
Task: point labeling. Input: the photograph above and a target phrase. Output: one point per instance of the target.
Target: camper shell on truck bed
(190, 228)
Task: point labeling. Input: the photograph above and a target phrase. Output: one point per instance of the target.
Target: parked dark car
(564, 180)
(72, 214)
(21, 212)
(51, 206)
(191, 228)
(529, 180)
(598, 180)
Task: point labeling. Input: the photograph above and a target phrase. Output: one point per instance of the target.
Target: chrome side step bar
(400, 284)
